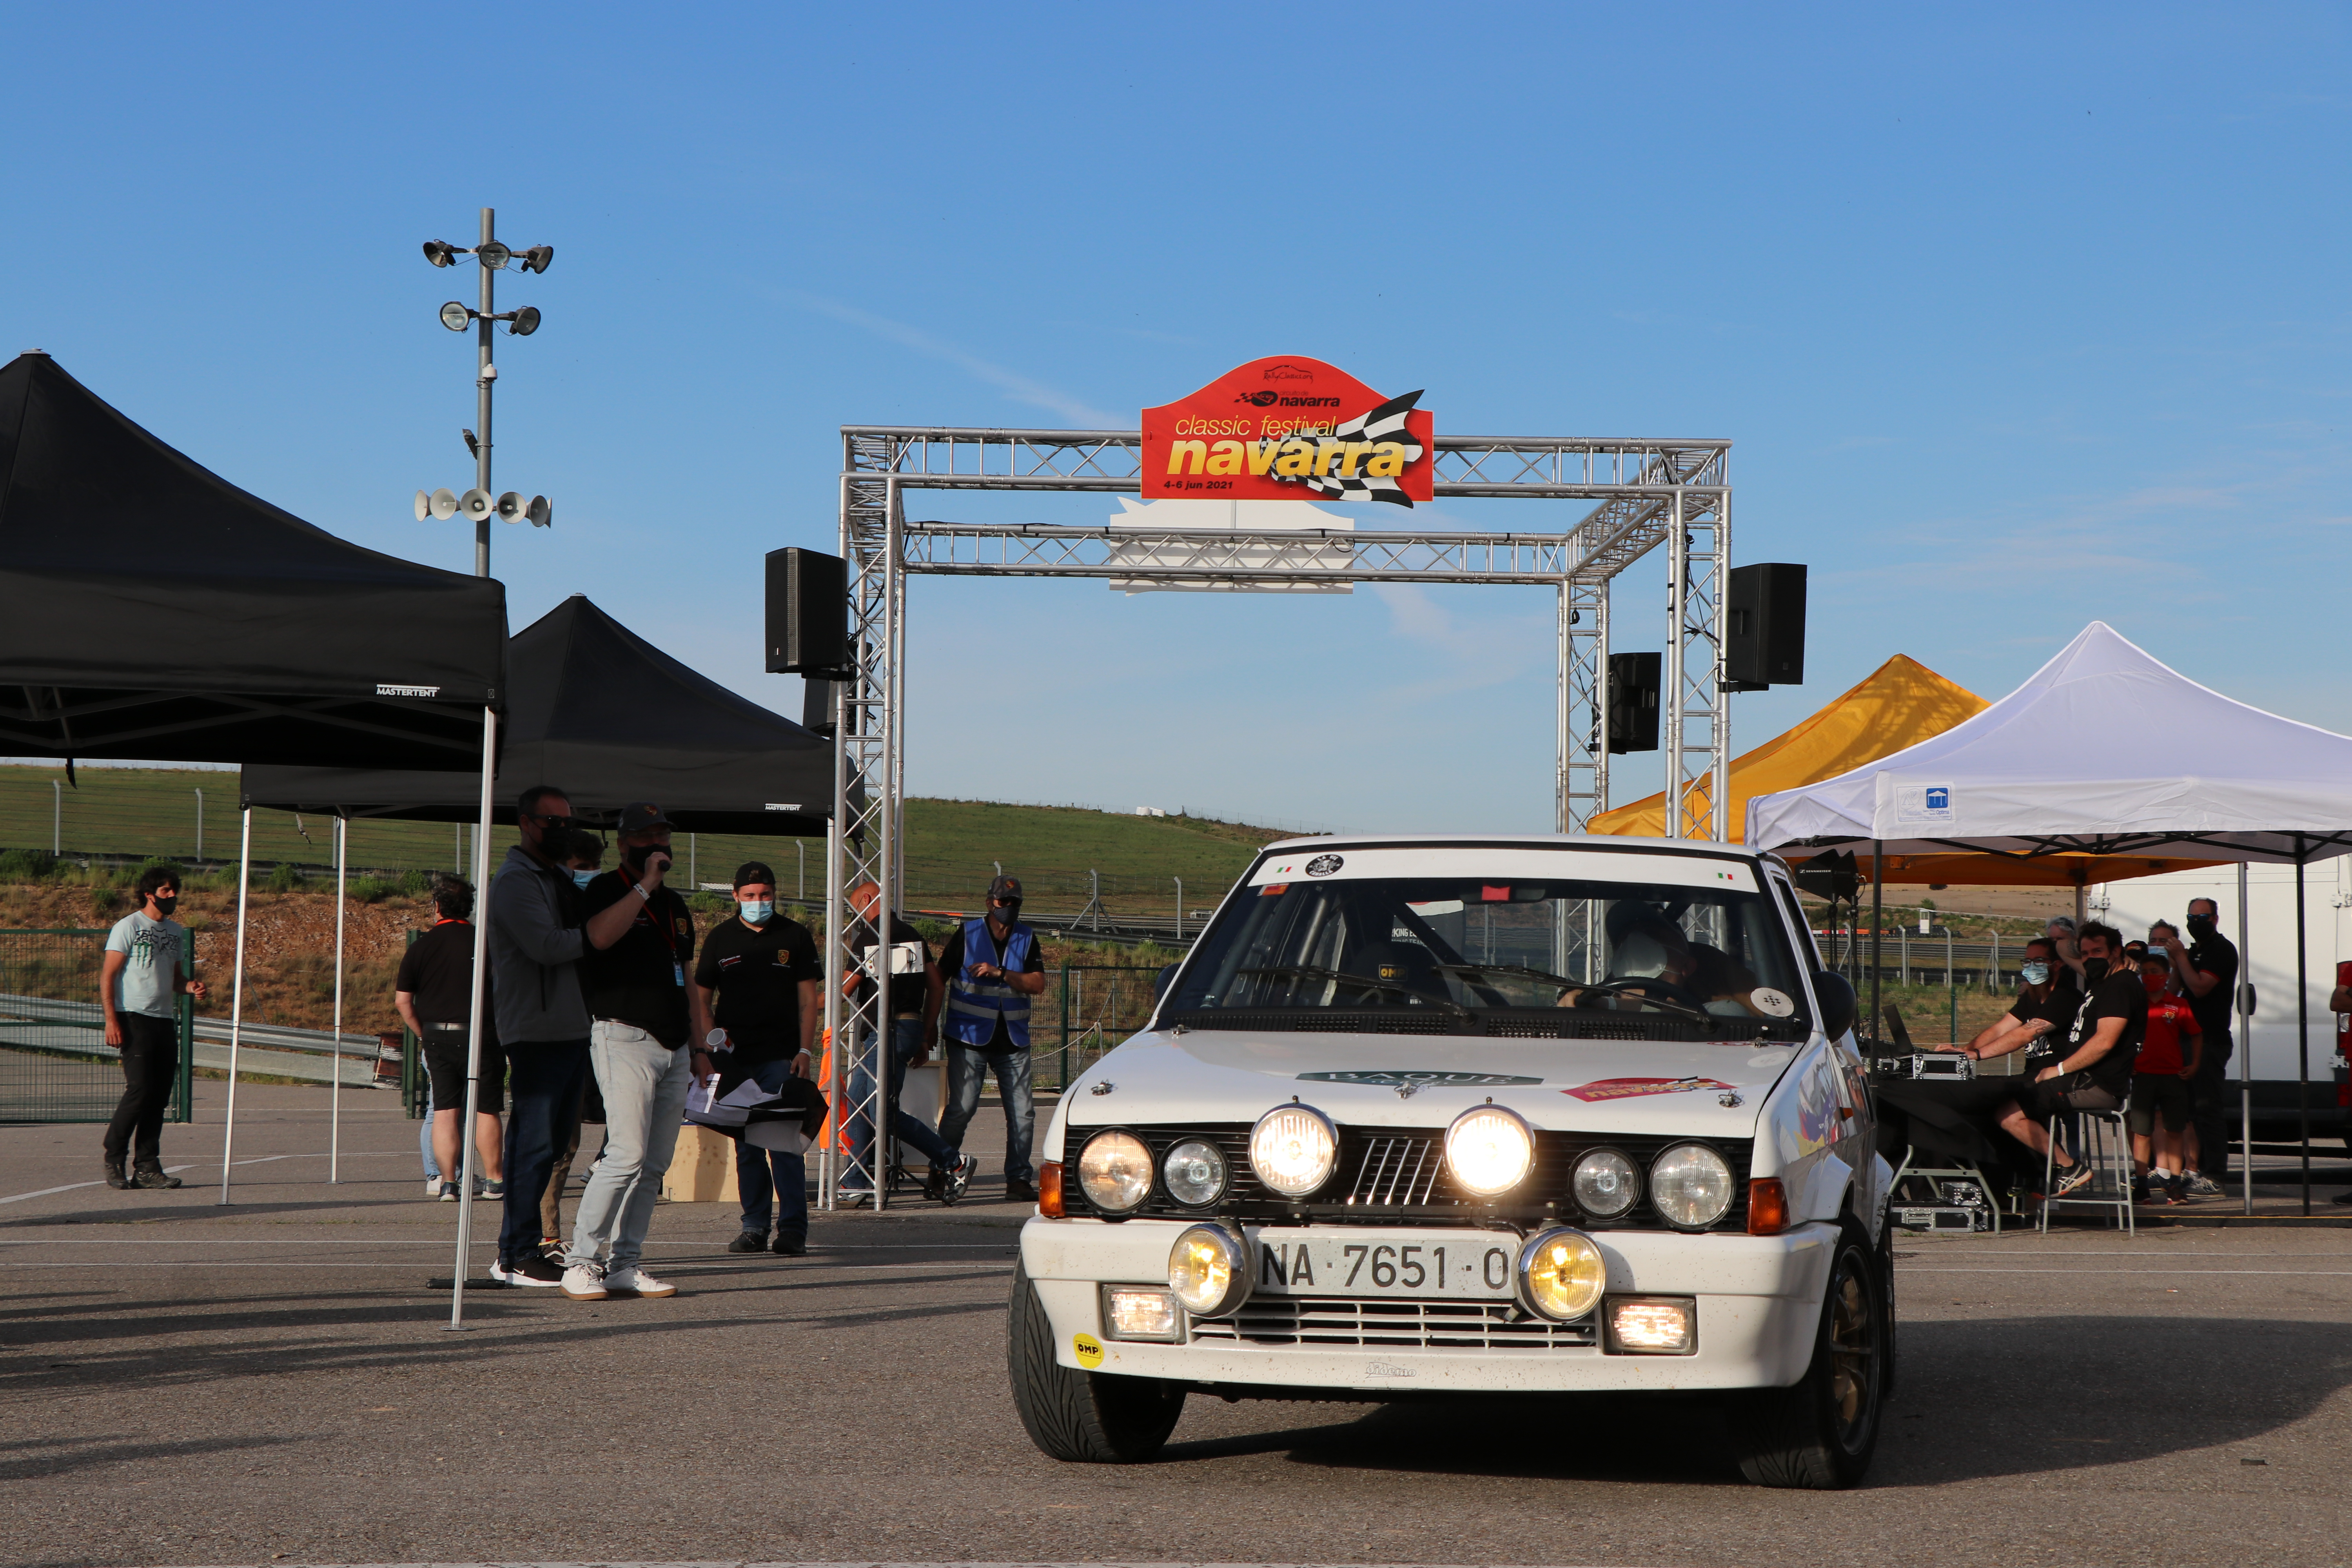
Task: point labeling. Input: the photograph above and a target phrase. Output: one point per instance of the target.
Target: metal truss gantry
(1648, 493)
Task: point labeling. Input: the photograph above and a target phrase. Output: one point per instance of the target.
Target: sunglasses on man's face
(547, 820)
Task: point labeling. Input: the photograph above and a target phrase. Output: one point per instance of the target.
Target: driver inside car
(1649, 957)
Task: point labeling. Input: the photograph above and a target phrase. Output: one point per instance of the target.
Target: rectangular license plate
(1437, 1265)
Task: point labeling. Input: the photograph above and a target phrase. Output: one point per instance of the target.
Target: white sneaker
(631, 1280)
(584, 1282)
(431, 1186)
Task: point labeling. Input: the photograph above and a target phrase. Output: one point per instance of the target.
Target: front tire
(1819, 1434)
(1081, 1417)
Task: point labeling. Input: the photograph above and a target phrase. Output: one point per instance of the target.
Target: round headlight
(1489, 1150)
(1208, 1269)
(1691, 1184)
(1194, 1171)
(1606, 1183)
(1293, 1149)
(1562, 1274)
(1114, 1171)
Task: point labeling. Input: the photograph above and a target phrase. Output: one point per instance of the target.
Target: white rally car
(1451, 1115)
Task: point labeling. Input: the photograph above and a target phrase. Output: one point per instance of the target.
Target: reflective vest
(975, 1004)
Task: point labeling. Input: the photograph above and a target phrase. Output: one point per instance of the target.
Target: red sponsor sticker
(1632, 1087)
(1274, 890)
(1487, 895)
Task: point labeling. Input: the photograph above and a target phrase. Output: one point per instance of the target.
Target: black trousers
(150, 1065)
(2211, 1102)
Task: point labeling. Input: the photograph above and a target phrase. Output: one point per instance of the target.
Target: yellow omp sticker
(1089, 1350)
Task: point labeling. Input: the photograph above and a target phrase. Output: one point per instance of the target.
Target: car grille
(1399, 1324)
(1396, 1176)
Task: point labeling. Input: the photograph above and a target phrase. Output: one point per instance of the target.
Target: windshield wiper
(1310, 972)
(1521, 970)
(1665, 1004)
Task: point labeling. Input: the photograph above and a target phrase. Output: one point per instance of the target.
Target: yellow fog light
(1562, 1274)
(1208, 1270)
(1141, 1312)
(1654, 1325)
(1489, 1150)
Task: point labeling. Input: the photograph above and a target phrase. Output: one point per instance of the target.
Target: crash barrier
(1096, 1007)
(54, 1063)
(1907, 958)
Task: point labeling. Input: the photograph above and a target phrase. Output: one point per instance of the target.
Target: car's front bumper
(1759, 1306)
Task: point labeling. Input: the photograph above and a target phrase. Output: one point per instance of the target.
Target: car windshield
(1498, 953)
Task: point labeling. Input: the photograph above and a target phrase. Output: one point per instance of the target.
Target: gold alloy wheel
(1853, 1355)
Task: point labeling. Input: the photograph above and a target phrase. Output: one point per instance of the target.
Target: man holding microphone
(760, 978)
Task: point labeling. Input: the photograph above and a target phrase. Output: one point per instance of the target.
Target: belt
(906, 1014)
(460, 1028)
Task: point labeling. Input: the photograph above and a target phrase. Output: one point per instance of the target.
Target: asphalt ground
(273, 1382)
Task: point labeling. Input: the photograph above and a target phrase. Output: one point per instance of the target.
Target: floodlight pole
(482, 386)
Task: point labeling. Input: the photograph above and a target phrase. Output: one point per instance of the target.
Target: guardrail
(274, 1050)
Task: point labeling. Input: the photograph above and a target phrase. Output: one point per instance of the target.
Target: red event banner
(1289, 429)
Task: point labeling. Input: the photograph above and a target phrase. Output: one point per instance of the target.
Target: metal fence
(1096, 1007)
(54, 1063)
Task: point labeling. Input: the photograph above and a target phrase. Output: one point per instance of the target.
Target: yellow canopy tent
(1898, 705)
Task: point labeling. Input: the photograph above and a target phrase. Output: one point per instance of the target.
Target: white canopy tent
(2103, 751)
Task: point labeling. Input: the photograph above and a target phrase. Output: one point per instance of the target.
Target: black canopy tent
(597, 710)
(154, 610)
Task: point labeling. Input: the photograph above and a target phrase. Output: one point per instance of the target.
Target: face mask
(583, 877)
(1004, 914)
(756, 911)
(166, 906)
(2155, 984)
(2200, 925)
(2097, 968)
(2035, 973)
(642, 853)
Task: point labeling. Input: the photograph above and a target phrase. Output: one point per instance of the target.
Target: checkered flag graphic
(1385, 423)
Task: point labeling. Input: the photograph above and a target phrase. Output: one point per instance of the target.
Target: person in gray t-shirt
(147, 967)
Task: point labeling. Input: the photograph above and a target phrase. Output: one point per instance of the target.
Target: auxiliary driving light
(1606, 1184)
(1489, 1150)
(1208, 1270)
(1114, 1171)
(1194, 1171)
(1141, 1312)
(1293, 1148)
(1691, 1184)
(1562, 1274)
(1655, 1325)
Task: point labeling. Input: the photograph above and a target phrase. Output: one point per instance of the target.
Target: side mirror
(1837, 1001)
(1166, 976)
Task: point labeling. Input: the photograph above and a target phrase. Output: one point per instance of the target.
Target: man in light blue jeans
(645, 1084)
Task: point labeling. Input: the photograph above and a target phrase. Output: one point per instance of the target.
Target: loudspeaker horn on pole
(424, 506)
(445, 503)
(477, 505)
(509, 507)
(542, 512)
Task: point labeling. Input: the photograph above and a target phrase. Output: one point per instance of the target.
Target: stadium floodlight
(493, 255)
(455, 316)
(537, 258)
(524, 321)
(441, 253)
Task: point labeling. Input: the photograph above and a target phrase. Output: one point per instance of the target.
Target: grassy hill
(951, 846)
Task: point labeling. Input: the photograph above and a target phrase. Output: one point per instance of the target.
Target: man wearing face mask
(534, 915)
(2205, 972)
(144, 973)
(990, 968)
(2047, 1002)
(640, 951)
(760, 981)
(2094, 1070)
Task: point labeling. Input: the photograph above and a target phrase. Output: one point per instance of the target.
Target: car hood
(1668, 1087)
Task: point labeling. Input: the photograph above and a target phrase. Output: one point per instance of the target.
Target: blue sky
(2019, 316)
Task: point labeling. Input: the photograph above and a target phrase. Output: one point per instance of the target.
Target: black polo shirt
(641, 979)
(2059, 1006)
(757, 971)
(437, 970)
(2215, 955)
(2120, 994)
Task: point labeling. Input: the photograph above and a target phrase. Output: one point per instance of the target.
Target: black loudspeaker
(1764, 643)
(816, 705)
(808, 614)
(1833, 874)
(1634, 701)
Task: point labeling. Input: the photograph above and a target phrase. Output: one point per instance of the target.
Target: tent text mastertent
(156, 611)
(2088, 757)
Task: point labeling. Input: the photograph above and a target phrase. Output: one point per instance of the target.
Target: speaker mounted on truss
(808, 615)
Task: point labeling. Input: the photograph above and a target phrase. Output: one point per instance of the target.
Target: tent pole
(236, 997)
(465, 1139)
(335, 1097)
(2301, 1028)
(2245, 1055)
(1877, 922)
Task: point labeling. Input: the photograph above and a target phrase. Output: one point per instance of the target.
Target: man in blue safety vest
(990, 968)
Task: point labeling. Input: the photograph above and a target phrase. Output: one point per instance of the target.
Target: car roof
(1605, 841)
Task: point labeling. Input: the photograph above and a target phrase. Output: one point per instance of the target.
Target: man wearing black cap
(993, 966)
(760, 981)
(643, 1014)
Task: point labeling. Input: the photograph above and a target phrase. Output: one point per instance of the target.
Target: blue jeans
(906, 1042)
(762, 1177)
(968, 1069)
(424, 1138)
(543, 1087)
